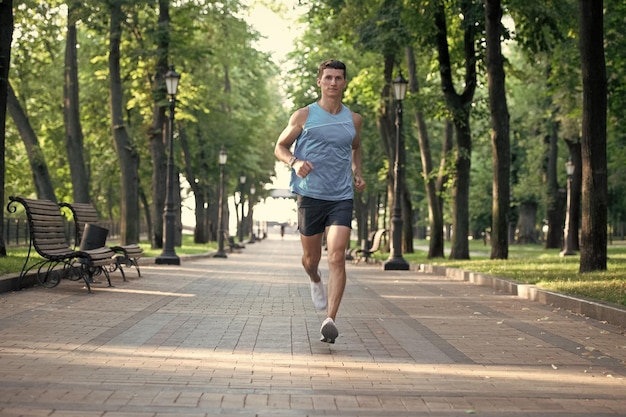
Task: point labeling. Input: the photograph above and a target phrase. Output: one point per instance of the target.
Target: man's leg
(337, 239)
(311, 255)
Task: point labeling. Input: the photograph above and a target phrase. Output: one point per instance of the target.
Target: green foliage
(541, 26)
(615, 41)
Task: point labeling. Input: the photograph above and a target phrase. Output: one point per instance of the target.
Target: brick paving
(240, 337)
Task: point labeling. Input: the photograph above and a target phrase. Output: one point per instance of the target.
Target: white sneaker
(318, 295)
(329, 331)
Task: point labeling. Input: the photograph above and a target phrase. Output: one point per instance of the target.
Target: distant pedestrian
(282, 231)
(326, 169)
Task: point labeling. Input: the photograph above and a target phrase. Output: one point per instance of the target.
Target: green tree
(459, 105)
(544, 32)
(74, 141)
(127, 154)
(433, 183)
(615, 44)
(39, 167)
(157, 134)
(500, 141)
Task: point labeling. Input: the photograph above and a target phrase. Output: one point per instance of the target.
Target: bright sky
(278, 29)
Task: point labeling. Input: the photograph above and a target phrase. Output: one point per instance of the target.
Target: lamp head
(171, 81)
(569, 167)
(223, 156)
(399, 86)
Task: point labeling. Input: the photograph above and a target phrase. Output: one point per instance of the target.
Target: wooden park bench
(232, 245)
(86, 214)
(47, 237)
(370, 247)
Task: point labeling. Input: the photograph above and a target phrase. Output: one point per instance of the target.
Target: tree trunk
(435, 214)
(460, 107)
(386, 127)
(39, 168)
(74, 143)
(200, 234)
(593, 242)
(459, 248)
(146, 209)
(373, 214)
(443, 175)
(126, 152)
(213, 214)
(500, 142)
(555, 195)
(6, 37)
(527, 232)
(157, 136)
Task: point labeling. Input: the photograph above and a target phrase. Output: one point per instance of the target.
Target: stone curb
(606, 312)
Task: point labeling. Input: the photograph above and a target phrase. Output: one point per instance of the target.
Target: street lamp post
(220, 218)
(569, 233)
(396, 262)
(242, 181)
(168, 256)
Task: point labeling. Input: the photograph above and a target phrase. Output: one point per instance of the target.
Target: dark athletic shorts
(315, 215)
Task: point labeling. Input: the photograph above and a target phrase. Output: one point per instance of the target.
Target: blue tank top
(326, 141)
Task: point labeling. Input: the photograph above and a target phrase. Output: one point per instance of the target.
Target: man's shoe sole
(329, 333)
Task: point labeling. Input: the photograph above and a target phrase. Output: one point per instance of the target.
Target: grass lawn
(532, 264)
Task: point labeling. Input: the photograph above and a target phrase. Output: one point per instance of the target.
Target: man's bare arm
(282, 149)
(359, 184)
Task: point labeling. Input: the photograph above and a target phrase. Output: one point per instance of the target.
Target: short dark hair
(334, 64)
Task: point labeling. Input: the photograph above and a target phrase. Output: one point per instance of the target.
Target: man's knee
(337, 258)
(310, 261)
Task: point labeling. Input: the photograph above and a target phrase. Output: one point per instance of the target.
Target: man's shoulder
(300, 115)
(303, 110)
(356, 118)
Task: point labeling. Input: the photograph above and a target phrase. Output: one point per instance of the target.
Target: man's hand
(359, 184)
(303, 168)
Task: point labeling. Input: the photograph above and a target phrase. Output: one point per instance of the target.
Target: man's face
(332, 82)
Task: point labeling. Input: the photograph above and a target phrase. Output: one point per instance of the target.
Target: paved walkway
(240, 337)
